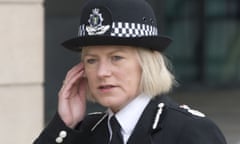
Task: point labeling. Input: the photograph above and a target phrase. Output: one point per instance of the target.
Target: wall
(21, 70)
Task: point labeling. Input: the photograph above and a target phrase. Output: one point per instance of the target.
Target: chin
(110, 103)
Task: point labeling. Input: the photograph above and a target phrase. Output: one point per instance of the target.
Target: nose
(104, 69)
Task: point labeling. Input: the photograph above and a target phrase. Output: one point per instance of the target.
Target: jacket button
(63, 134)
(59, 140)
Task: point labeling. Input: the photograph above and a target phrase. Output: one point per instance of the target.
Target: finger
(76, 69)
(65, 95)
(73, 71)
(67, 84)
(71, 85)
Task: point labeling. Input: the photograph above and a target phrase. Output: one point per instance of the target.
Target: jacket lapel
(99, 133)
(142, 133)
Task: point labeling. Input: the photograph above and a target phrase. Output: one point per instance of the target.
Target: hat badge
(95, 21)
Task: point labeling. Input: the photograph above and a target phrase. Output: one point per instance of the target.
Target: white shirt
(129, 116)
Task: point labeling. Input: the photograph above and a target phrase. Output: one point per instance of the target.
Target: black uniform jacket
(175, 125)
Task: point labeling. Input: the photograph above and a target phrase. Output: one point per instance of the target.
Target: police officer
(123, 69)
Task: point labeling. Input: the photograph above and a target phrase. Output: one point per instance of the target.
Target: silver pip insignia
(95, 23)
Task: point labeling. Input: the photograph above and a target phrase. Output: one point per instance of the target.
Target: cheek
(90, 73)
(91, 77)
(132, 76)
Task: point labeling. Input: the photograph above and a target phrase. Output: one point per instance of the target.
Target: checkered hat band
(120, 29)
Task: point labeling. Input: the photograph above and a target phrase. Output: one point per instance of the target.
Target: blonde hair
(156, 79)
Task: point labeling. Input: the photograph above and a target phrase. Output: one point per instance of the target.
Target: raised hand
(72, 96)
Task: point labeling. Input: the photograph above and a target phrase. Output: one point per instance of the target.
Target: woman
(123, 69)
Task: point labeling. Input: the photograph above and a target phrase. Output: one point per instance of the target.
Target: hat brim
(159, 43)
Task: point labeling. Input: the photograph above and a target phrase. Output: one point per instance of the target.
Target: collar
(130, 114)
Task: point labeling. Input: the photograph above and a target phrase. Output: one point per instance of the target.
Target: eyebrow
(89, 54)
(111, 52)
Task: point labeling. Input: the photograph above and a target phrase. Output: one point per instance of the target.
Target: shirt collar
(130, 114)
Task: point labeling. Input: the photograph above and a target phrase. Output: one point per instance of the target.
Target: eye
(91, 61)
(116, 58)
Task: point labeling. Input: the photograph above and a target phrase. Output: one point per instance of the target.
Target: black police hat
(118, 22)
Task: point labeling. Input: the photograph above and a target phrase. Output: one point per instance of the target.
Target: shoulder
(200, 130)
(171, 115)
(173, 109)
(189, 125)
(183, 114)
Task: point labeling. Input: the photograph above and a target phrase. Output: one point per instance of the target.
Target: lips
(106, 86)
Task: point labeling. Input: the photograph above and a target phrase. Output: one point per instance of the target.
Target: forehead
(108, 49)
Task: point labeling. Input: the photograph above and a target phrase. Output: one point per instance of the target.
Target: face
(113, 74)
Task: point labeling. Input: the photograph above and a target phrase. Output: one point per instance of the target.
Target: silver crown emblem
(95, 23)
